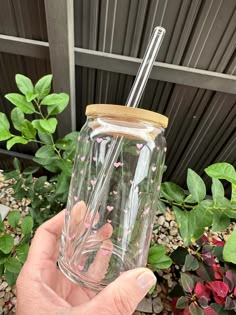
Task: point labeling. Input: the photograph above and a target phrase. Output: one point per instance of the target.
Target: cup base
(79, 280)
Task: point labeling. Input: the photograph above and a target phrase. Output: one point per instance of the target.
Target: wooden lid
(126, 113)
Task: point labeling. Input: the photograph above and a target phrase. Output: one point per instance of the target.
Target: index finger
(46, 239)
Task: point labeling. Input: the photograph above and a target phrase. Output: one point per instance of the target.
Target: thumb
(122, 296)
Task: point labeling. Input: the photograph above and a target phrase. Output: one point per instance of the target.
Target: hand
(42, 289)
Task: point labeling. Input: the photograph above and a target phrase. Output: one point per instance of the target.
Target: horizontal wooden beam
(161, 71)
(204, 79)
(24, 47)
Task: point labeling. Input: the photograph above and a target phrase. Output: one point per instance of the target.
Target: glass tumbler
(113, 194)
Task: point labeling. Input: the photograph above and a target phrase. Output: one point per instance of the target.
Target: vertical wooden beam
(60, 27)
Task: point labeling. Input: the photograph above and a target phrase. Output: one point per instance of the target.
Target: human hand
(43, 289)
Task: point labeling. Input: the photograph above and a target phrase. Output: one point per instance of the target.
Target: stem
(177, 204)
(53, 143)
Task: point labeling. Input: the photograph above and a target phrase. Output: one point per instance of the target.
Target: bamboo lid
(127, 113)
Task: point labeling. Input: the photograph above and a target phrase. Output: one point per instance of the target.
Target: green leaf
(194, 309)
(14, 140)
(191, 263)
(182, 302)
(163, 263)
(189, 199)
(24, 84)
(45, 137)
(4, 127)
(220, 221)
(27, 225)
(6, 243)
(20, 101)
(218, 192)
(57, 109)
(233, 194)
(28, 129)
(13, 174)
(222, 171)
(192, 223)
(31, 170)
(46, 152)
(60, 99)
(40, 183)
(17, 164)
(172, 192)
(31, 96)
(65, 166)
(149, 292)
(11, 277)
(63, 183)
(187, 282)
(178, 255)
(48, 125)
(196, 186)
(37, 125)
(3, 257)
(155, 253)
(1, 270)
(4, 134)
(43, 86)
(4, 122)
(219, 309)
(160, 205)
(13, 265)
(229, 251)
(22, 252)
(2, 226)
(203, 218)
(13, 218)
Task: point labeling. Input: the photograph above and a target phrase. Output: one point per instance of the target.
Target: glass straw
(133, 99)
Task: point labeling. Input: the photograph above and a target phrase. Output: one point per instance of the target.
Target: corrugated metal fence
(93, 48)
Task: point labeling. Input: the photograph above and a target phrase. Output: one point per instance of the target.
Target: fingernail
(146, 280)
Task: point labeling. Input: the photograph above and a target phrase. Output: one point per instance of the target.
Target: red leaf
(217, 271)
(231, 276)
(217, 241)
(187, 311)
(201, 290)
(219, 288)
(208, 258)
(209, 311)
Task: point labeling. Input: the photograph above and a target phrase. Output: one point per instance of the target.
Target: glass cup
(111, 207)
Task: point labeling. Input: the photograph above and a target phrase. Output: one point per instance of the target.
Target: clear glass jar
(113, 194)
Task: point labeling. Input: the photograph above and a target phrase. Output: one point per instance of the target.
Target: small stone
(136, 313)
(169, 216)
(173, 223)
(173, 232)
(13, 300)
(3, 285)
(145, 305)
(158, 288)
(2, 294)
(162, 236)
(166, 224)
(168, 306)
(2, 302)
(14, 290)
(8, 289)
(7, 296)
(157, 305)
(161, 220)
